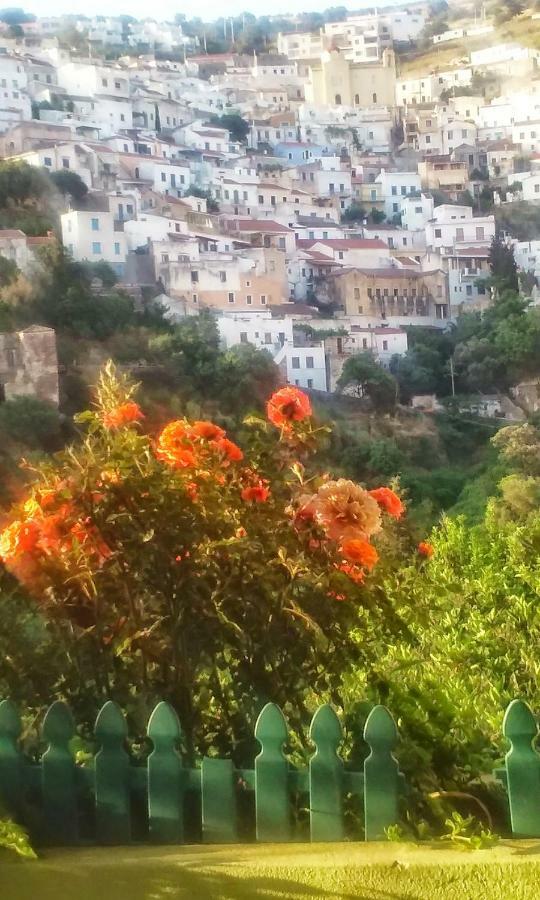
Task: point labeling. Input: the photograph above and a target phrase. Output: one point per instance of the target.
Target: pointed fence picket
(101, 802)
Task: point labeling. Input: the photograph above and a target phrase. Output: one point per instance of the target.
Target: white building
(453, 225)
(395, 186)
(92, 236)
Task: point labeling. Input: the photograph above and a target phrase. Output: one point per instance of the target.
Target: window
(464, 133)
(428, 123)
(374, 195)
(469, 290)
(243, 337)
(364, 344)
(95, 224)
(536, 187)
(428, 139)
(340, 254)
(267, 337)
(223, 276)
(194, 276)
(374, 98)
(117, 249)
(459, 234)
(231, 297)
(481, 289)
(263, 299)
(450, 135)
(357, 293)
(403, 191)
(164, 256)
(104, 82)
(117, 85)
(357, 99)
(194, 297)
(281, 243)
(164, 176)
(395, 207)
(96, 247)
(310, 382)
(295, 362)
(309, 362)
(394, 190)
(47, 161)
(438, 233)
(480, 233)
(337, 99)
(249, 299)
(65, 162)
(385, 345)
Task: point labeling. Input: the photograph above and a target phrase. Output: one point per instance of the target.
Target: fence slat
(58, 776)
(381, 774)
(111, 774)
(10, 757)
(272, 805)
(325, 777)
(522, 769)
(219, 816)
(166, 777)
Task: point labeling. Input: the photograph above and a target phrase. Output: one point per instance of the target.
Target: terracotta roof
(387, 272)
(9, 233)
(261, 225)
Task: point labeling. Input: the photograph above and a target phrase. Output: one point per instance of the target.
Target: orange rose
(425, 549)
(353, 572)
(361, 552)
(229, 449)
(256, 493)
(389, 501)
(173, 446)
(124, 414)
(288, 405)
(18, 537)
(207, 430)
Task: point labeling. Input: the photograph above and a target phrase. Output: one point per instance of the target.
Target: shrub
(185, 568)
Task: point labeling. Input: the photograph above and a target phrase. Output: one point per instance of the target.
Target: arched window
(337, 99)
(374, 98)
(137, 173)
(357, 99)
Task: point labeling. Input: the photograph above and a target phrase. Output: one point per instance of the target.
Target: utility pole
(452, 376)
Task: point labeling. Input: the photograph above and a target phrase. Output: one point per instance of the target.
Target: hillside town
(314, 187)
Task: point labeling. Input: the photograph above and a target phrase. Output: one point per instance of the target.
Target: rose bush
(215, 573)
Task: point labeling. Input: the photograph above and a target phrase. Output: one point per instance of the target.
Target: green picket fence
(114, 801)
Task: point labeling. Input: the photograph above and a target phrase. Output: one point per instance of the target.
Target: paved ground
(511, 871)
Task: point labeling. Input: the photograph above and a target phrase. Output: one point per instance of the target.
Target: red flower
(425, 549)
(229, 449)
(288, 405)
(361, 552)
(256, 493)
(207, 430)
(336, 596)
(122, 415)
(389, 501)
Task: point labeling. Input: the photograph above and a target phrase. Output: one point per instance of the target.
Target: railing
(111, 799)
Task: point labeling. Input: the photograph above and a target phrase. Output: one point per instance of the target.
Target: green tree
(237, 127)
(365, 377)
(70, 183)
(355, 212)
(503, 265)
(31, 422)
